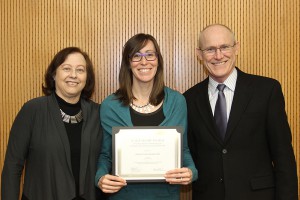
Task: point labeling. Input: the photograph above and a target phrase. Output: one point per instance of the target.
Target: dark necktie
(220, 112)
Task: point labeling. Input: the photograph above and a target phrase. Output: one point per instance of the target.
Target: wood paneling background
(32, 31)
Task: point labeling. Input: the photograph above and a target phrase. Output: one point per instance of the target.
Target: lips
(71, 83)
(219, 63)
(144, 70)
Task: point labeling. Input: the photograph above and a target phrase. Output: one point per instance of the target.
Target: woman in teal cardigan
(143, 100)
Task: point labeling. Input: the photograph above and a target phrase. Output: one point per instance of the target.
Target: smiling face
(70, 78)
(221, 64)
(144, 71)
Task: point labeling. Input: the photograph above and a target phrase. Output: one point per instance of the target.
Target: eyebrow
(66, 64)
(148, 51)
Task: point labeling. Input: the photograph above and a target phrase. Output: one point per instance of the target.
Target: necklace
(71, 119)
(142, 109)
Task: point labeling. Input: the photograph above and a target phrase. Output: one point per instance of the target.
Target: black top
(74, 135)
(147, 119)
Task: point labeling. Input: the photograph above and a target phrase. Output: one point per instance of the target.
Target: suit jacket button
(224, 151)
(221, 180)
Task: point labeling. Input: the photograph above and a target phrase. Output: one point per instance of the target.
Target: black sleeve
(16, 153)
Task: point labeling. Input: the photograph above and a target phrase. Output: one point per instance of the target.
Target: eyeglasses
(150, 56)
(213, 50)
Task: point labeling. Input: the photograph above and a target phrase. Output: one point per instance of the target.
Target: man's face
(218, 52)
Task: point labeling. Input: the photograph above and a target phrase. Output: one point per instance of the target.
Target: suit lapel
(242, 96)
(204, 108)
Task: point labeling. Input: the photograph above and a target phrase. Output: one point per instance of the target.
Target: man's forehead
(216, 35)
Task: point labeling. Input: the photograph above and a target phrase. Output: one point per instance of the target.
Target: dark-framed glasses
(149, 56)
(210, 51)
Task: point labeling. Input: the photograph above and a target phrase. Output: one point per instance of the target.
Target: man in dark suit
(252, 158)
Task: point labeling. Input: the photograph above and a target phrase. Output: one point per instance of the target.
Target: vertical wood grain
(32, 32)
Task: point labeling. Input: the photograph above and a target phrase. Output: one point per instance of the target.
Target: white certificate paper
(146, 153)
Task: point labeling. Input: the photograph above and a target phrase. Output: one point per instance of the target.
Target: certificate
(146, 153)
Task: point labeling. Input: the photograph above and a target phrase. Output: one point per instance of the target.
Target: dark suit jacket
(256, 159)
(39, 140)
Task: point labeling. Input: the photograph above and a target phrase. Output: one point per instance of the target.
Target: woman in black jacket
(56, 137)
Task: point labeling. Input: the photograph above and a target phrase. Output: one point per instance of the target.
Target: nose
(219, 54)
(143, 61)
(73, 73)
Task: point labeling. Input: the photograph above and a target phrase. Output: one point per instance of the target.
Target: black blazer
(39, 141)
(256, 160)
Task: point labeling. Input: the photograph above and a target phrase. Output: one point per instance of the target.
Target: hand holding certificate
(146, 153)
(181, 176)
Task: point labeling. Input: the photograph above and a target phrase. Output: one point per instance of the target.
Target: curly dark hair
(58, 59)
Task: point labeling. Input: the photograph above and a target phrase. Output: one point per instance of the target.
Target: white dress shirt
(230, 83)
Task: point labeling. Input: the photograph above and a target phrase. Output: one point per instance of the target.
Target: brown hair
(49, 86)
(132, 46)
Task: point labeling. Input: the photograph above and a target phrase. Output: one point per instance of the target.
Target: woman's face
(70, 78)
(144, 70)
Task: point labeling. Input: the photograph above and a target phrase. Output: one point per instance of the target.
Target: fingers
(181, 176)
(111, 184)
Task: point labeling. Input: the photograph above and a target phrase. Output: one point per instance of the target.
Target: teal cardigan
(114, 113)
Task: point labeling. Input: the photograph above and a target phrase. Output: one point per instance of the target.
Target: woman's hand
(111, 184)
(182, 176)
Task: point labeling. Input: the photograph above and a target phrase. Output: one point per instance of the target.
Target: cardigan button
(224, 151)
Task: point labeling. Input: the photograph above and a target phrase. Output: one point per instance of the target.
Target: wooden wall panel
(32, 31)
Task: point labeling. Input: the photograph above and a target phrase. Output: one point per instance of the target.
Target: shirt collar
(230, 82)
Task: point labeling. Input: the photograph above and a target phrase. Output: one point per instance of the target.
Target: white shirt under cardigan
(230, 83)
